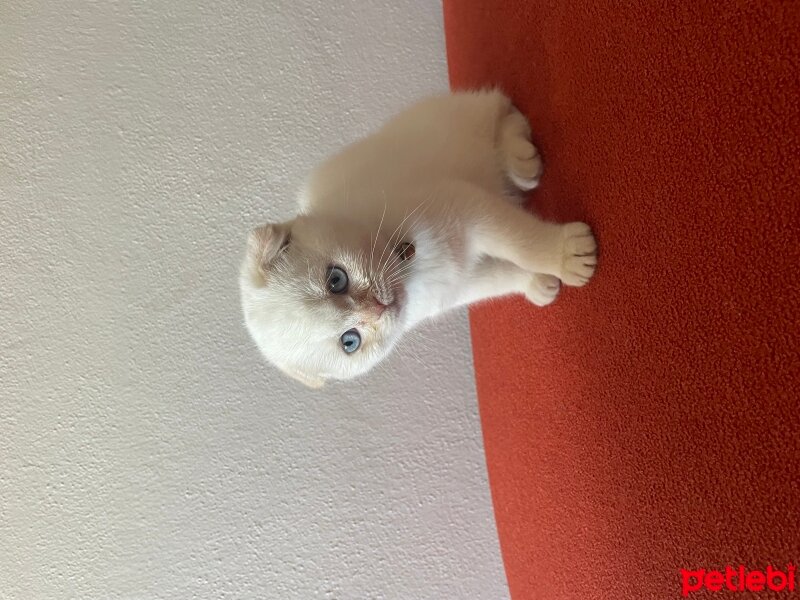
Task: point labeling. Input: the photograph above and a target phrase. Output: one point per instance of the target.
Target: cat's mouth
(390, 294)
(406, 251)
(391, 300)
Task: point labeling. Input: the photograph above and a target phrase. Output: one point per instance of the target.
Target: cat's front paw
(543, 289)
(579, 254)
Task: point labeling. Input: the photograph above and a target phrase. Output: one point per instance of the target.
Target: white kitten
(402, 226)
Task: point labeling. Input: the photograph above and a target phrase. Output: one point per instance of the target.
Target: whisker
(397, 229)
(394, 266)
(378, 232)
(397, 273)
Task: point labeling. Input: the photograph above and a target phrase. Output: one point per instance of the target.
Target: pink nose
(372, 310)
(378, 307)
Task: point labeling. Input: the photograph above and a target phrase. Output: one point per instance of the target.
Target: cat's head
(322, 298)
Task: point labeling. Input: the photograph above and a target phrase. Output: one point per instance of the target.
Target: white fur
(439, 176)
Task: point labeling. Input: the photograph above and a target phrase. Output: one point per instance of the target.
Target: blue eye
(351, 340)
(336, 280)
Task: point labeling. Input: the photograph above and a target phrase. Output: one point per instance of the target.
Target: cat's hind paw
(524, 164)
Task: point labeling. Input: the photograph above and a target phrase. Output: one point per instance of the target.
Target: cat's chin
(395, 308)
(393, 314)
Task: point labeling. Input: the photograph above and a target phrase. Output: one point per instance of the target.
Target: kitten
(399, 227)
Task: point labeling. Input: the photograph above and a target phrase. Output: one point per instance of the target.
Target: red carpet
(651, 421)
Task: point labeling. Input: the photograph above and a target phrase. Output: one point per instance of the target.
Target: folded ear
(263, 244)
(311, 381)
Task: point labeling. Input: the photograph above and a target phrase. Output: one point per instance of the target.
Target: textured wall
(146, 452)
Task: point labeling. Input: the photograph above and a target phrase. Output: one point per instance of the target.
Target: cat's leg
(543, 289)
(504, 231)
(521, 159)
(493, 278)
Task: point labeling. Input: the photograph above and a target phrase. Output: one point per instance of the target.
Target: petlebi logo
(739, 579)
